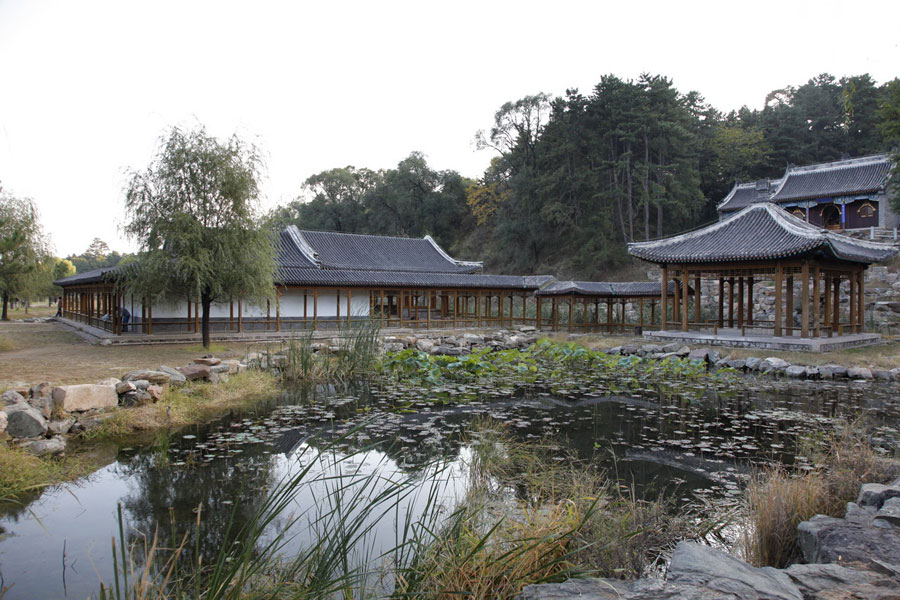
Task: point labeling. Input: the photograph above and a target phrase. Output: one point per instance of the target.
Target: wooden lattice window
(866, 211)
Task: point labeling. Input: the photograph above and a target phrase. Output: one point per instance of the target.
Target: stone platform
(732, 338)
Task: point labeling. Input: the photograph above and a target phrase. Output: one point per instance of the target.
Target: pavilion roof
(759, 232)
(606, 289)
(331, 250)
(314, 277)
(743, 195)
(838, 178)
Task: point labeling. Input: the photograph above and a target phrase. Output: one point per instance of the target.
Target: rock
(473, 339)
(882, 375)
(705, 566)
(175, 376)
(829, 540)
(888, 515)
(55, 445)
(155, 392)
(393, 347)
(195, 371)
(42, 390)
(699, 354)
(110, 381)
(140, 384)
(859, 373)
(752, 363)
(11, 397)
(209, 361)
(737, 364)
(795, 372)
(136, 398)
(43, 405)
(775, 364)
(835, 371)
(123, 387)
(527, 328)
(629, 349)
(61, 426)
(424, 345)
(72, 398)
(812, 372)
(448, 351)
(615, 589)
(3, 423)
(673, 347)
(682, 351)
(157, 377)
(651, 349)
(24, 421)
(220, 368)
(90, 422)
(839, 582)
(234, 365)
(713, 356)
(874, 495)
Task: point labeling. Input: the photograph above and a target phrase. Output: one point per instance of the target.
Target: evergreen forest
(574, 178)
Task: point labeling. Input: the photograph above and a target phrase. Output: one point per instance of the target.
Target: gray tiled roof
(411, 279)
(606, 289)
(743, 195)
(381, 253)
(839, 178)
(95, 276)
(759, 232)
(289, 254)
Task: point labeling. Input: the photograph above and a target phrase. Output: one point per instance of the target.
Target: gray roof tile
(606, 289)
(839, 178)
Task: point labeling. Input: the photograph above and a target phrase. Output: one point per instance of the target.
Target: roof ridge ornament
(303, 246)
(472, 264)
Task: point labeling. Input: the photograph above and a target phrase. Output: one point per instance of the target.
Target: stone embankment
(854, 558)
(39, 418)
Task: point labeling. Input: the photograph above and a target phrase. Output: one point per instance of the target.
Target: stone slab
(733, 339)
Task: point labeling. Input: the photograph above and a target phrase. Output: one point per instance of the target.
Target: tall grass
(780, 498)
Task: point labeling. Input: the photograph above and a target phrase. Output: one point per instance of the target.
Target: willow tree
(195, 213)
(24, 248)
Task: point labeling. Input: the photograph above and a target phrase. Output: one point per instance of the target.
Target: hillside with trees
(575, 178)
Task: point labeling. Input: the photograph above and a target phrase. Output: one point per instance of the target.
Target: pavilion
(764, 243)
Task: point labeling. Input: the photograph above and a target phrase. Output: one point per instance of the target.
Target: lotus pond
(664, 427)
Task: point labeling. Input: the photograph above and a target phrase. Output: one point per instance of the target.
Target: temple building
(765, 245)
(840, 195)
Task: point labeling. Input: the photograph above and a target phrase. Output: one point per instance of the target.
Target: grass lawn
(36, 352)
(39, 309)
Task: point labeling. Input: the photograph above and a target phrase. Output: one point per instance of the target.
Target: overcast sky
(88, 87)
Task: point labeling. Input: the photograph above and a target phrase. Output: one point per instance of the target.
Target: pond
(695, 441)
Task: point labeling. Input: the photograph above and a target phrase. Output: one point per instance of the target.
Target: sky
(88, 87)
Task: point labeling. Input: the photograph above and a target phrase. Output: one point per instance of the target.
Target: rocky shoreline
(853, 558)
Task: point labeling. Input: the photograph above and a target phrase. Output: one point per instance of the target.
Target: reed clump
(781, 498)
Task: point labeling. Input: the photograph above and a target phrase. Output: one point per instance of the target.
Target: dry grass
(38, 309)
(196, 403)
(22, 474)
(779, 500)
(50, 352)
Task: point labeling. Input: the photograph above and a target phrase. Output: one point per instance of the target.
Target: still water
(687, 443)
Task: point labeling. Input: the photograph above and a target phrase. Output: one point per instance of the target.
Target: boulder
(11, 397)
(111, 381)
(42, 390)
(882, 375)
(774, 364)
(157, 377)
(155, 392)
(837, 581)
(705, 566)
(195, 371)
(473, 339)
(888, 516)
(3, 423)
(175, 376)
(24, 421)
(234, 365)
(76, 398)
(812, 372)
(393, 346)
(209, 361)
(895, 373)
(752, 363)
(699, 354)
(682, 352)
(737, 364)
(123, 387)
(424, 345)
(92, 421)
(829, 540)
(42, 404)
(60, 426)
(220, 368)
(140, 384)
(673, 347)
(859, 373)
(55, 445)
(795, 372)
(136, 398)
(874, 495)
(834, 371)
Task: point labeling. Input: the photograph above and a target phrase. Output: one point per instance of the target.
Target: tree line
(574, 178)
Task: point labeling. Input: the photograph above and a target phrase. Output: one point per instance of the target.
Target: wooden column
(789, 306)
(836, 309)
(240, 315)
(778, 291)
(854, 291)
(652, 312)
(861, 296)
(641, 311)
(571, 319)
(349, 307)
(231, 315)
(149, 316)
(684, 309)
(749, 301)
(555, 313)
(428, 306)
(676, 302)
(817, 297)
(268, 313)
(315, 308)
(804, 299)
(826, 318)
(537, 314)
(277, 309)
(740, 305)
(731, 302)
(196, 317)
(697, 299)
(664, 296)
(721, 302)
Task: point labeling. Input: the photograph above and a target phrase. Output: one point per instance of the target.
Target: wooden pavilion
(576, 305)
(764, 244)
